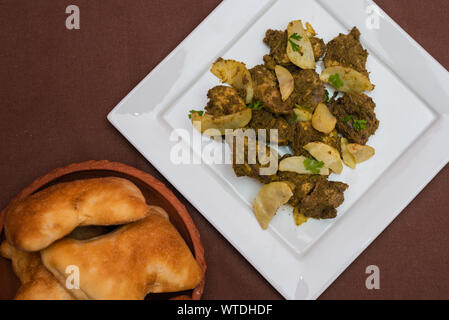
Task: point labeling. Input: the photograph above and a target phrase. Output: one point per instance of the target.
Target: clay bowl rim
(145, 178)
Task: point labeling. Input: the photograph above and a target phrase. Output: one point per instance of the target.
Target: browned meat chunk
(304, 184)
(309, 89)
(269, 62)
(314, 196)
(266, 90)
(224, 100)
(319, 47)
(266, 120)
(356, 119)
(246, 161)
(252, 171)
(305, 134)
(322, 202)
(277, 41)
(347, 51)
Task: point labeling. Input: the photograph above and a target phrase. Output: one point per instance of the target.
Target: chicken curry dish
(308, 96)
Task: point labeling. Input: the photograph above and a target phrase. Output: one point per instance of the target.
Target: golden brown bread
(37, 282)
(142, 257)
(48, 215)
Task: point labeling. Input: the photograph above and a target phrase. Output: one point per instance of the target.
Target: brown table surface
(57, 86)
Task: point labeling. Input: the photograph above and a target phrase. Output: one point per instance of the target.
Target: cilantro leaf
(336, 81)
(295, 47)
(326, 93)
(359, 124)
(256, 105)
(194, 111)
(313, 165)
(348, 118)
(297, 37)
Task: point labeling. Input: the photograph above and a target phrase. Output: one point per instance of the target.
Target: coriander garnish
(313, 165)
(348, 118)
(256, 105)
(357, 124)
(326, 93)
(297, 37)
(194, 111)
(336, 81)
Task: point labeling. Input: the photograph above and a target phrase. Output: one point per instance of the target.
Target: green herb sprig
(313, 165)
(357, 124)
(297, 37)
(256, 105)
(336, 81)
(348, 118)
(194, 111)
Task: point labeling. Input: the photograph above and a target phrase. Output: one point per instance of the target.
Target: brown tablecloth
(56, 87)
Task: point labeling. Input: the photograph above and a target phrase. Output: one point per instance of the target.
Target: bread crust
(142, 257)
(37, 282)
(48, 215)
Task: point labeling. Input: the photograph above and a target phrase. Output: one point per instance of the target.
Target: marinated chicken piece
(314, 196)
(269, 62)
(252, 171)
(246, 161)
(319, 47)
(347, 51)
(266, 120)
(323, 201)
(266, 90)
(224, 100)
(305, 133)
(235, 74)
(356, 119)
(277, 41)
(309, 89)
(304, 184)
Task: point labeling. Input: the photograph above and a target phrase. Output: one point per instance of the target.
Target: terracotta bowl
(155, 192)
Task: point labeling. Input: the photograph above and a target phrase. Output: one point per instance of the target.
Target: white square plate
(411, 143)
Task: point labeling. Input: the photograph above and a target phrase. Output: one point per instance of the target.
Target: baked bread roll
(142, 257)
(48, 215)
(37, 282)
